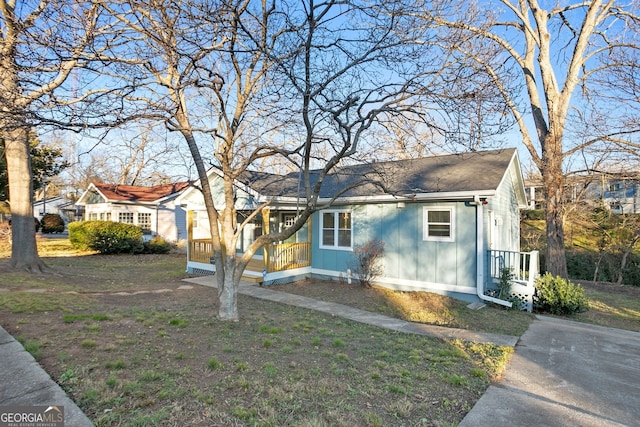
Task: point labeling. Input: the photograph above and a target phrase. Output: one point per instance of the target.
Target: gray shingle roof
(465, 172)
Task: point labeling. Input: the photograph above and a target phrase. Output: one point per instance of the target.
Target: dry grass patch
(611, 305)
(422, 307)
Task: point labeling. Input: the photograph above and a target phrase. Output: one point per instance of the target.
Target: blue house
(450, 225)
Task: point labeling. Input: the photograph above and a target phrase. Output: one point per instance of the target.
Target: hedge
(106, 237)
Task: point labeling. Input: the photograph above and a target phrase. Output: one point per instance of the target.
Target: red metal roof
(135, 193)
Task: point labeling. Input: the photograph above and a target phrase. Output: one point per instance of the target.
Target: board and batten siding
(172, 222)
(506, 217)
(409, 261)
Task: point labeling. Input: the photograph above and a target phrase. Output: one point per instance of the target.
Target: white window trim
(425, 224)
(335, 230)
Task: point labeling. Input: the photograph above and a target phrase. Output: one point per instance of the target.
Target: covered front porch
(275, 262)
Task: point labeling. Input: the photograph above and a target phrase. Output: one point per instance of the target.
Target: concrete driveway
(566, 373)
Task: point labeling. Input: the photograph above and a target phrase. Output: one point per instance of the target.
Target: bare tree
(138, 154)
(555, 70)
(245, 73)
(41, 45)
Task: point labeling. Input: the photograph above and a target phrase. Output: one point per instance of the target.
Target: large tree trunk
(24, 252)
(228, 283)
(553, 181)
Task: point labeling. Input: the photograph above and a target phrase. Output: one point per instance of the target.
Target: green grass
(30, 302)
(88, 344)
(316, 370)
(181, 323)
(213, 363)
(70, 318)
(31, 346)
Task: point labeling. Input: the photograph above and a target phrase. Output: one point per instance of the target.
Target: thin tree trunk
(623, 262)
(597, 270)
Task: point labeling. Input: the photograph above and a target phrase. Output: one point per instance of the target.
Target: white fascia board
(195, 184)
(127, 202)
(171, 196)
(444, 195)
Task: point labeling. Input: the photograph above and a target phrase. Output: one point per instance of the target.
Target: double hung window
(336, 229)
(438, 224)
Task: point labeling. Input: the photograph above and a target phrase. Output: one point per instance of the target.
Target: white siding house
(154, 209)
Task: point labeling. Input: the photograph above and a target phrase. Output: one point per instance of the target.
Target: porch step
(251, 279)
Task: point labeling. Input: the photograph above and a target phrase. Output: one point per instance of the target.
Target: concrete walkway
(566, 373)
(23, 382)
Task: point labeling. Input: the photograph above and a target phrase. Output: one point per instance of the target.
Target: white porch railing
(523, 268)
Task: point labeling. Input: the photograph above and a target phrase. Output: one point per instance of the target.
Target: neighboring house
(619, 192)
(154, 209)
(450, 224)
(55, 205)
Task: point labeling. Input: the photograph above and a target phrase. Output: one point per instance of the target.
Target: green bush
(52, 223)
(556, 295)
(106, 237)
(157, 245)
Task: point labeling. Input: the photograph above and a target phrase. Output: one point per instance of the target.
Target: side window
(194, 219)
(288, 220)
(438, 224)
(144, 222)
(126, 217)
(336, 230)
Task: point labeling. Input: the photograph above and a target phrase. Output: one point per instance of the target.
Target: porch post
(265, 230)
(309, 237)
(189, 233)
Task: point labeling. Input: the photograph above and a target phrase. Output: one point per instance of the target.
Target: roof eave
(389, 198)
